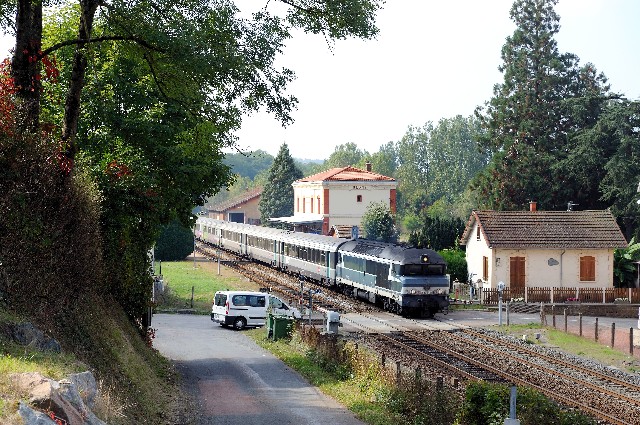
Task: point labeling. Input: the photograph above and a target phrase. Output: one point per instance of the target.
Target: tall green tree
(413, 171)
(170, 83)
(454, 157)
(620, 126)
(544, 98)
(345, 155)
(438, 233)
(277, 195)
(385, 161)
(378, 223)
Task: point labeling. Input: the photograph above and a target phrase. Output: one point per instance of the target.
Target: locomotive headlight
(424, 258)
(413, 291)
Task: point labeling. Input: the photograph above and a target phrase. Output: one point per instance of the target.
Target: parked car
(241, 309)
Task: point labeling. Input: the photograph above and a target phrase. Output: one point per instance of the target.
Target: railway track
(466, 353)
(284, 283)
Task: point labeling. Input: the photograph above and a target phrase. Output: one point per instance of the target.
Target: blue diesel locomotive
(403, 280)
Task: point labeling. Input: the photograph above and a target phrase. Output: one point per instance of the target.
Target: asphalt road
(236, 382)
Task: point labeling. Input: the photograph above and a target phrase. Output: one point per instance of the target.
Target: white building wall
(554, 268)
(476, 250)
(306, 194)
(344, 207)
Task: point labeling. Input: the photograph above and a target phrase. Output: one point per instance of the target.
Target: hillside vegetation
(52, 275)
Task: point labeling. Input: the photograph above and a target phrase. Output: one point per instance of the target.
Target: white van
(245, 308)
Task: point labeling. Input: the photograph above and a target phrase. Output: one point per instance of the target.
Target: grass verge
(355, 392)
(355, 378)
(574, 344)
(181, 276)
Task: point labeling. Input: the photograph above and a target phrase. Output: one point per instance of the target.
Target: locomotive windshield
(421, 269)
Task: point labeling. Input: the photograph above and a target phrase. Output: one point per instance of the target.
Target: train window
(421, 269)
(434, 269)
(370, 267)
(412, 269)
(354, 263)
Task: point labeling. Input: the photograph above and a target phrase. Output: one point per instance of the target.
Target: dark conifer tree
(535, 113)
(277, 195)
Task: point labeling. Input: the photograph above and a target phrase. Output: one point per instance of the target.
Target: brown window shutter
(485, 268)
(588, 268)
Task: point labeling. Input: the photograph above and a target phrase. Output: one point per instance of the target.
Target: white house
(339, 197)
(541, 248)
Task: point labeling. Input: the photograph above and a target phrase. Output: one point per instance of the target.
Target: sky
(431, 60)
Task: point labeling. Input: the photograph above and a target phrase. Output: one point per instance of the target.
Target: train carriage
(262, 243)
(310, 255)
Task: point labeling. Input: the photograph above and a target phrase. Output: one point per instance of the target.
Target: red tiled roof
(345, 174)
(234, 202)
(547, 229)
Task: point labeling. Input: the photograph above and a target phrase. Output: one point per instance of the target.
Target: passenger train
(404, 280)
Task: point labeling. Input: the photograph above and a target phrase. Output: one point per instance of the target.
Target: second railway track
(467, 353)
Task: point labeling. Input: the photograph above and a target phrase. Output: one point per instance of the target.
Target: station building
(334, 201)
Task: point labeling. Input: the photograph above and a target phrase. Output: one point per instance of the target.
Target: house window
(318, 205)
(478, 233)
(311, 205)
(485, 268)
(588, 268)
(359, 198)
(303, 205)
(297, 204)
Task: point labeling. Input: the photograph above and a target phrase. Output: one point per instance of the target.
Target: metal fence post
(596, 330)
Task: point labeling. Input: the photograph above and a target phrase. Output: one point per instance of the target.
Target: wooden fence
(563, 295)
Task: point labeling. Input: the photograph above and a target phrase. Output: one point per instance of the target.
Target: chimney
(533, 206)
(368, 166)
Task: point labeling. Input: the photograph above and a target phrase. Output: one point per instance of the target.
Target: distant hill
(309, 161)
(249, 164)
(253, 163)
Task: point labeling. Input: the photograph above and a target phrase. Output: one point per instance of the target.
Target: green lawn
(181, 276)
(574, 344)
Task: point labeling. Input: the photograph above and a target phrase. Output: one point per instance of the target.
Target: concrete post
(512, 408)
(596, 330)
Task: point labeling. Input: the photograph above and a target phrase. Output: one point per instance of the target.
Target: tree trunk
(72, 103)
(25, 66)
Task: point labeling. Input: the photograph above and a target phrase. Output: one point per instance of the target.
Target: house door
(517, 274)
